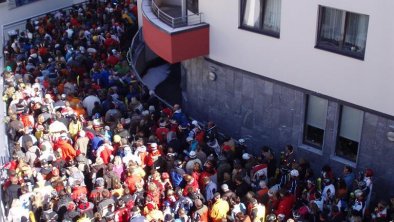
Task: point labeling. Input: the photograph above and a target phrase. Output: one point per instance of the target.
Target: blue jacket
(180, 118)
(177, 176)
(96, 142)
(349, 178)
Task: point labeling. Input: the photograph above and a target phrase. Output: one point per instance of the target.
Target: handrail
(135, 50)
(175, 22)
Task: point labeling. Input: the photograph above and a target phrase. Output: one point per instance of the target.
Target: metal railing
(136, 58)
(175, 22)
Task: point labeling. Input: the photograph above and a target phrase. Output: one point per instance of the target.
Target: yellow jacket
(258, 212)
(74, 128)
(219, 210)
(32, 217)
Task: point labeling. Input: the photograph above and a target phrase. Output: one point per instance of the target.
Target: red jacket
(122, 215)
(110, 42)
(27, 120)
(105, 152)
(152, 157)
(285, 205)
(79, 191)
(112, 60)
(161, 133)
(193, 185)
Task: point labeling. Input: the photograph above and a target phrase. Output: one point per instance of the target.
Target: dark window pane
(23, 2)
(192, 5)
(356, 32)
(272, 15)
(261, 16)
(331, 26)
(336, 36)
(313, 136)
(347, 148)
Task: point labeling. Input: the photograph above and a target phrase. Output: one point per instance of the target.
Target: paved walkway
(170, 89)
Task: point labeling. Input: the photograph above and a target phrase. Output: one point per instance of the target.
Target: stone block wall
(246, 105)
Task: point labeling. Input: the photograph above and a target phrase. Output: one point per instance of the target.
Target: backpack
(111, 179)
(11, 133)
(96, 196)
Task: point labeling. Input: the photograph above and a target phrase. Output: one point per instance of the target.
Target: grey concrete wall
(271, 113)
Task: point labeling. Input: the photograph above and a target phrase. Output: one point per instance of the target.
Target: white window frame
(319, 120)
(357, 119)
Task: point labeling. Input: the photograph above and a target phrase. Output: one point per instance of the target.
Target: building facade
(317, 75)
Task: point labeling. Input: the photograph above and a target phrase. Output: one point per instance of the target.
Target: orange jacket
(68, 151)
(131, 182)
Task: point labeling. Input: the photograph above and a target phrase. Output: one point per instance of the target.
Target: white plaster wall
(32, 9)
(293, 58)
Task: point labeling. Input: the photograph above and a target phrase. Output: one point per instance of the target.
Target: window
(192, 5)
(342, 32)
(261, 16)
(315, 121)
(349, 134)
(17, 3)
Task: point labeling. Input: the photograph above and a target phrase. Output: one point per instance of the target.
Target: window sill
(341, 52)
(311, 149)
(263, 32)
(343, 161)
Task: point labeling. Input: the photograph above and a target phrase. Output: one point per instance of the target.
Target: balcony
(173, 32)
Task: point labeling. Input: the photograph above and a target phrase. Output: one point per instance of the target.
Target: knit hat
(82, 133)
(192, 154)
(168, 217)
(358, 193)
(117, 139)
(294, 173)
(153, 146)
(100, 182)
(246, 156)
(225, 187)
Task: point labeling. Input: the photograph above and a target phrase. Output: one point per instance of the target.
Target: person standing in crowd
(90, 143)
(219, 208)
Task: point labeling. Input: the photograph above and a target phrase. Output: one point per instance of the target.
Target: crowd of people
(88, 143)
